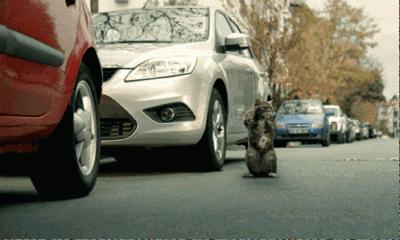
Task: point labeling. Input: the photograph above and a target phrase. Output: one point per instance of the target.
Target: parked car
(176, 76)
(357, 129)
(351, 130)
(365, 130)
(302, 120)
(337, 121)
(372, 132)
(50, 86)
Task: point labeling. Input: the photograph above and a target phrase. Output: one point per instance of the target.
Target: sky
(386, 15)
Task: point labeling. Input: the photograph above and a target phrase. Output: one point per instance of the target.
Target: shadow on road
(15, 165)
(154, 162)
(14, 197)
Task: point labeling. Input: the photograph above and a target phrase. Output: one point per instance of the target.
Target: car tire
(68, 160)
(358, 137)
(340, 138)
(348, 137)
(327, 141)
(212, 146)
(352, 138)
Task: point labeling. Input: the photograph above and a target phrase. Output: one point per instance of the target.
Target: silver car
(176, 77)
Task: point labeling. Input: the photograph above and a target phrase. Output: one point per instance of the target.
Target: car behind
(301, 120)
(338, 122)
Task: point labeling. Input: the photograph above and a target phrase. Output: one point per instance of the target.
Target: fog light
(167, 114)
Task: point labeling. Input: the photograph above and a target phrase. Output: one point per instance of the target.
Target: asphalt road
(344, 191)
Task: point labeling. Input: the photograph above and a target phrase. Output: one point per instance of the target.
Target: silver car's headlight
(162, 67)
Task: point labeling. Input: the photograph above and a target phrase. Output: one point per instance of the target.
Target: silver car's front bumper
(137, 96)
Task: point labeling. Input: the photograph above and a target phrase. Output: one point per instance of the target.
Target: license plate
(298, 131)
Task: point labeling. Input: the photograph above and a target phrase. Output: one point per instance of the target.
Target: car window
(300, 107)
(333, 111)
(176, 25)
(222, 27)
(234, 26)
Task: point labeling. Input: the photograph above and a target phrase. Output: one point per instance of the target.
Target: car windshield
(332, 111)
(175, 25)
(300, 107)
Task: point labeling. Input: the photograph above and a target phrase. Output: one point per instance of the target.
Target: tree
(327, 59)
(308, 56)
(358, 79)
(351, 30)
(269, 38)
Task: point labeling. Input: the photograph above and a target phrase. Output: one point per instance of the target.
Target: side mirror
(236, 41)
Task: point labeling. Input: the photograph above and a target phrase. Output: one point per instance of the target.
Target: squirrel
(260, 156)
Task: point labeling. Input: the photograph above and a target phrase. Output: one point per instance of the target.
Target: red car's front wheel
(68, 160)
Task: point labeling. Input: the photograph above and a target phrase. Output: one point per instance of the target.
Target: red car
(50, 85)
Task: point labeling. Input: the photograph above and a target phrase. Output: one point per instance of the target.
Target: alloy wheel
(218, 128)
(85, 131)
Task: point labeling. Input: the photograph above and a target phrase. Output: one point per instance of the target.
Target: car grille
(298, 126)
(300, 136)
(116, 128)
(108, 73)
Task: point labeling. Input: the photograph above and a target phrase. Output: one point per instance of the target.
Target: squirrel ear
(258, 102)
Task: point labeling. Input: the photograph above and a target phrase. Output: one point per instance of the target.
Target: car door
(236, 69)
(253, 73)
(33, 46)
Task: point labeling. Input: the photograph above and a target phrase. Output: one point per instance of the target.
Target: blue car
(302, 120)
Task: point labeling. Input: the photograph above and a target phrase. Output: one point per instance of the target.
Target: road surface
(344, 191)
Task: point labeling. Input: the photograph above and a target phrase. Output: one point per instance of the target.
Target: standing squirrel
(260, 156)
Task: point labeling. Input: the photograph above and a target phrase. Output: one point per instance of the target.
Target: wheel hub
(218, 130)
(82, 127)
(85, 128)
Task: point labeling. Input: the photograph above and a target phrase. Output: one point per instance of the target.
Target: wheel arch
(91, 60)
(220, 86)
